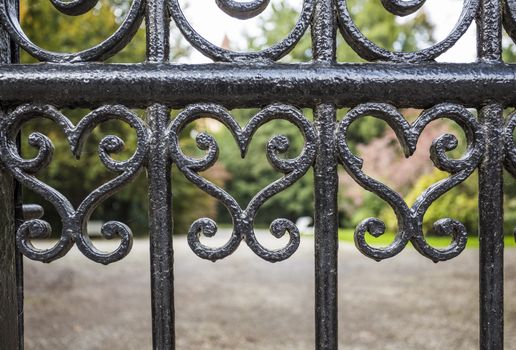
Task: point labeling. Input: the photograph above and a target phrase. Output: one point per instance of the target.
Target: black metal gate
(241, 80)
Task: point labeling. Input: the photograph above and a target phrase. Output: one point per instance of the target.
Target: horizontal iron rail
(251, 85)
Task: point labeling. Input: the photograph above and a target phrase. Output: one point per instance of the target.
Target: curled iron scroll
(110, 46)
(74, 220)
(410, 219)
(509, 17)
(243, 219)
(368, 50)
(510, 147)
(402, 7)
(242, 10)
(74, 7)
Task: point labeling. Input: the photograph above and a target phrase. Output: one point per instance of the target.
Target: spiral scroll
(242, 10)
(410, 219)
(113, 44)
(372, 52)
(74, 220)
(243, 219)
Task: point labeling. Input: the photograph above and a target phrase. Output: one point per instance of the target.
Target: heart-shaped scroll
(293, 169)
(410, 219)
(74, 220)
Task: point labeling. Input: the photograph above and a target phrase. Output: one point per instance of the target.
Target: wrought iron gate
(392, 80)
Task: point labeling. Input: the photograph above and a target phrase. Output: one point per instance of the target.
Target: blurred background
(386, 289)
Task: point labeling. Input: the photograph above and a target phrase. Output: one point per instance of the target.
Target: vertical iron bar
(11, 321)
(491, 189)
(160, 223)
(11, 263)
(491, 230)
(19, 217)
(160, 196)
(326, 186)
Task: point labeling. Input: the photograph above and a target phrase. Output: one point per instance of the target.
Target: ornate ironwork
(510, 148)
(74, 220)
(254, 79)
(372, 52)
(242, 10)
(243, 219)
(510, 145)
(410, 219)
(116, 42)
(509, 17)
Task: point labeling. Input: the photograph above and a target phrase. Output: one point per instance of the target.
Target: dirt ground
(243, 302)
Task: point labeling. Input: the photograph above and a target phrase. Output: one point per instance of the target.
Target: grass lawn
(346, 235)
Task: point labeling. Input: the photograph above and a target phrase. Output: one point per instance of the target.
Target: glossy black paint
(243, 218)
(489, 33)
(249, 85)
(325, 188)
(11, 265)
(410, 219)
(380, 88)
(160, 191)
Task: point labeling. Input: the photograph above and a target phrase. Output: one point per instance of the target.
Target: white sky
(212, 23)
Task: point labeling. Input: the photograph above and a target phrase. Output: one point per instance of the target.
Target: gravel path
(245, 303)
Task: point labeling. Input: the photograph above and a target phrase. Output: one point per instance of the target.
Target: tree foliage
(459, 203)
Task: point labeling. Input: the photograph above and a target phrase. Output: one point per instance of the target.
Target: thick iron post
(11, 320)
(160, 198)
(491, 189)
(11, 263)
(326, 186)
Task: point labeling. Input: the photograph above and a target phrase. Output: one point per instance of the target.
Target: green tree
(460, 203)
